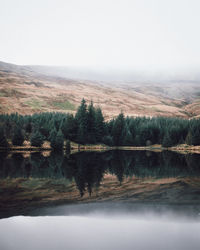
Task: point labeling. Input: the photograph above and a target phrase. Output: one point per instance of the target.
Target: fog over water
(167, 217)
(104, 226)
(99, 232)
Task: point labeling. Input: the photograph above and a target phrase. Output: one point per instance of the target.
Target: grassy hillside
(24, 90)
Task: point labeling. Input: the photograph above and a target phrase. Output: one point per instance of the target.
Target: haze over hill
(28, 89)
(136, 56)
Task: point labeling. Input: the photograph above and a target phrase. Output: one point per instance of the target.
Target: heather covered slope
(29, 89)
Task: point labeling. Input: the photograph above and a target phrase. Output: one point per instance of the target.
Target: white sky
(153, 34)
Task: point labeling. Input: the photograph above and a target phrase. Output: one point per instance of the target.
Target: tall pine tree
(118, 129)
(91, 129)
(82, 121)
(99, 125)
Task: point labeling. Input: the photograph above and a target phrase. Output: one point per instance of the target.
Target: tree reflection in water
(88, 168)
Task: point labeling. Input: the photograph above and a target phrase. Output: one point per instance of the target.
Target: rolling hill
(29, 89)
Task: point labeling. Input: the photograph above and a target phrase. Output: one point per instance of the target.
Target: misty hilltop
(29, 89)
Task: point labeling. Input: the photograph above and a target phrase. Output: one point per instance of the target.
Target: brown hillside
(25, 91)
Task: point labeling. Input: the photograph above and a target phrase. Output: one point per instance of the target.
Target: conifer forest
(88, 126)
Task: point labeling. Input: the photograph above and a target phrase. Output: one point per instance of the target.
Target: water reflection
(130, 216)
(88, 168)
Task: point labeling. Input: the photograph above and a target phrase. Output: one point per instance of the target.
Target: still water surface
(87, 169)
(117, 224)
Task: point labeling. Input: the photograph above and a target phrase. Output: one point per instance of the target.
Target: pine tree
(37, 139)
(99, 125)
(82, 121)
(188, 139)
(56, 139)
(196, 137)
(3, 140)
(107, 140)
(52, 138)
(91, 131)
(117, 130)
(69, 127)
(28, 127)
(59, 140)
(128, 139)
(18, 137)
(167, 141)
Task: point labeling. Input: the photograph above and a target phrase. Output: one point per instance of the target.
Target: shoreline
(183, 148)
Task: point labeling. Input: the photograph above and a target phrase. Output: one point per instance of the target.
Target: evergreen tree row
(88, 126)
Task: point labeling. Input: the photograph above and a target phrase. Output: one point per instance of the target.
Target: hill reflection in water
(87, 169)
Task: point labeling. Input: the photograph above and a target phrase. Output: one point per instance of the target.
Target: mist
(129, 35)
(101, 230)
(111, 74)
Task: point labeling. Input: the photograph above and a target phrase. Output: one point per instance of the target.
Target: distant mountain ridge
(28, 89)
(105, 74)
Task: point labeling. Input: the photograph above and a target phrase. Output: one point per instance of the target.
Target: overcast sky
(139, 34)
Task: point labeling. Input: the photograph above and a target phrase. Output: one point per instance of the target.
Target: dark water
(122, 224)
(88, 168)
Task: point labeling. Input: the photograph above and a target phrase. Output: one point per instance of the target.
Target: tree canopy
(88, 126)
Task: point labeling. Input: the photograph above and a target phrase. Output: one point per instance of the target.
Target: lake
(99, 200)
